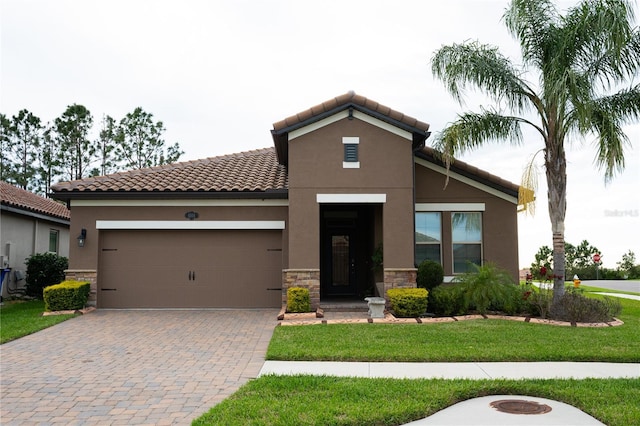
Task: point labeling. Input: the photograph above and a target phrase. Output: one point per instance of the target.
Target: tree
(140, 142)
(22, 137)
(627, 266)
(578, 57)
(5, 147)
(107, 146)
(75, 150)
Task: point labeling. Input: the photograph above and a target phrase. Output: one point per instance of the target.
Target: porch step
(344, 306)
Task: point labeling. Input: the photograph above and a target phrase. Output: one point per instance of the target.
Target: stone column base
(306, 278)
(85, 275)
(399, 278)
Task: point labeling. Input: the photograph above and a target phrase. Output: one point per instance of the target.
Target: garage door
(190, 269)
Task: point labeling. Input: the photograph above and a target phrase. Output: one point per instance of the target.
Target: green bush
(43, 270)
(430, 274)
(408, 302)
(575, 307)
(487, 287)
(298, 299)
(539, 302)
(446, 300)
(68, 295)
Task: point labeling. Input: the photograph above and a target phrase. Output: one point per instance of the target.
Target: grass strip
(20, 318)
(464, 341)
(322, 400)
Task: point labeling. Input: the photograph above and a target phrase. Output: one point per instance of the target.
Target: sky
(218, 74)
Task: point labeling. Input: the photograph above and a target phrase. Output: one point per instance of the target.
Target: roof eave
(157, 195)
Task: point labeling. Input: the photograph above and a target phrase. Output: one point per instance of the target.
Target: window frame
(479, 243)
(55, 232)
(439, 243)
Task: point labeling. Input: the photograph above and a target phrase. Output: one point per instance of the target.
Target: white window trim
(181, 224)
(351, 198)
(350, 164)
(450, 207)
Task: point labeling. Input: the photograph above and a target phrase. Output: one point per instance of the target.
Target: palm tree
(583, 61)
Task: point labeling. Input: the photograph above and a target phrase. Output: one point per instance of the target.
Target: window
(53, 240)
(466, 229)
(351, 160)
(428, 236)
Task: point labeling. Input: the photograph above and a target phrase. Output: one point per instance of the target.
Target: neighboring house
(343, 178)
(29, 224)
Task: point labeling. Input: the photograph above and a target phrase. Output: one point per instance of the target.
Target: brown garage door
(190, 269)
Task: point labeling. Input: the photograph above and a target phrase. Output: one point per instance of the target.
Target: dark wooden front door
(342, 263)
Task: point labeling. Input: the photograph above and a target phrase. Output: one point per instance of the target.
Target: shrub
(68, 295)
(298, 299)
(43, 270)
(446, 300)
(488, 287)
(575, 307)
(540, 302)
(430, 274)
(408, 302)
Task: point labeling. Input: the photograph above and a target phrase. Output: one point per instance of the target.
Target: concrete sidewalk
(455, 370)
(489, 410)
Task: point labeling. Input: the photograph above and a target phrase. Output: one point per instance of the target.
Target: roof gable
(20, 199)
(468, 171)
(348, 102)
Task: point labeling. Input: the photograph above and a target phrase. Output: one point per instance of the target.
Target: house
(29, 224)
(343, 179)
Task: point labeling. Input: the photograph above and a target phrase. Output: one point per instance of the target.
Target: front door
(342, 263)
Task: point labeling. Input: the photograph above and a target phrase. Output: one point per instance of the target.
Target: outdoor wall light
(191, 215)
(82, 237)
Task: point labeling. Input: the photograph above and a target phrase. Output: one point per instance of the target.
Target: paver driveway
(131, 367)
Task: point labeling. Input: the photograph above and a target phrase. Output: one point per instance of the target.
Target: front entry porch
(349, 234)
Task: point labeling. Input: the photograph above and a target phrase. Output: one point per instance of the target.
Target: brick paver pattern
(128, 367)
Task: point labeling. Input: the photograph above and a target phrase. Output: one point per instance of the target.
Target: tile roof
(350, 98)
(250, 171)
(472, 172)
(18, 198)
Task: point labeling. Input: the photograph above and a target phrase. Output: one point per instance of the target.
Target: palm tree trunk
(556, 165)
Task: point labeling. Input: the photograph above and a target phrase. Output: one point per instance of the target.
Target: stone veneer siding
(85, 275)
(399, 278)
(306, 278)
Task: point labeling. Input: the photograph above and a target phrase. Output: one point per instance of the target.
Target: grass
(309, 400)
(464, 341)
(19, 318)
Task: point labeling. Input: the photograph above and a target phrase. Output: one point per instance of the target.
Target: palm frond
(473, 130)
(529, 186)
(460, 66)
(598, 38)
(608, 115)
(531, 23)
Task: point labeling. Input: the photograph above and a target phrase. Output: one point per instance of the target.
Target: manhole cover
(520, 406)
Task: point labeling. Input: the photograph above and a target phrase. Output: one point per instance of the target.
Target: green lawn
(464, 341)
(309, 400)
(19, 318)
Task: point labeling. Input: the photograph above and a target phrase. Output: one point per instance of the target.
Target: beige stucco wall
(499, 220)
(23, 236)
(86, 258)
(315, 167)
